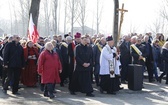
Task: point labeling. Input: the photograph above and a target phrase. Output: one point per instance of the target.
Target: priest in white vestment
(109, 68)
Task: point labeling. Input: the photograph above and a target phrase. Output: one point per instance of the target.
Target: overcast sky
(140, 14)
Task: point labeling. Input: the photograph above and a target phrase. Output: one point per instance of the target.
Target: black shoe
(46, 95)
(42, 87)
(52, 96)
(19, 87)
(101, 90)
(121, 88)
(72, 93)
(90, 95)
(93, 82)
(97, 84)
(113, 93)
(123, 82)
(4, 91)
(152, 80)
(66, 81)
(54, 91)
(62, 84)
(159, 80)
(16, 93)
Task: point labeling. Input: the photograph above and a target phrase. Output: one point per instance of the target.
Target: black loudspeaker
(135, 77)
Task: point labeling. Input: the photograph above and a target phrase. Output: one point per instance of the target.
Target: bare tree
(59, 12)
(133, 28)
(46, 5)
(158, 26)
(98, 15)
(24, 13)
(164, 15)
(15, 17)
(10, 17)
(55, 6)
(73, 9)
(82, 14)
(65, 18)
(93, 17)
(155, 26)
(164, 9)
(72, 17)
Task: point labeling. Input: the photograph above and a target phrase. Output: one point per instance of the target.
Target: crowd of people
(80, 60)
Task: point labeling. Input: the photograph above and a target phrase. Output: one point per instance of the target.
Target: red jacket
(33, 51)
(48, 67)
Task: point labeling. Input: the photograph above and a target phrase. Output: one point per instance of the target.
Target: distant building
(88, 30)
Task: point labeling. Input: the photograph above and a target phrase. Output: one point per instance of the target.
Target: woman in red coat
(49, 67)
(29, 75)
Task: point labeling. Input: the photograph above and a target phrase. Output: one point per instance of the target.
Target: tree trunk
(115, 24)
(72, 18)
(16, 21)
(11, 19)
(55, 15)
(34, 9)
(65, 21)
(83, 12)
(97, 19)
(58, 22)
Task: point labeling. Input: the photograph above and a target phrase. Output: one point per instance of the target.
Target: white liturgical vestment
(107, 56)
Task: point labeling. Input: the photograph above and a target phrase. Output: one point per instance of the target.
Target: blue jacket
(156, 53)
(164, 56)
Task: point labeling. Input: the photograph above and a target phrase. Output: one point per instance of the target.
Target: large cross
(122, 11)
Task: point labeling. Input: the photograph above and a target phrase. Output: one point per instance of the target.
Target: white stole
(111, 62)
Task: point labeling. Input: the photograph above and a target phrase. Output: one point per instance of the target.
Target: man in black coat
(96, 58)
(149, 58)
(71, 48)
(4, 73)
(14, 61)
(139, 59)
(125, 57)
(164, 56)
(81, 80)
(65, 62)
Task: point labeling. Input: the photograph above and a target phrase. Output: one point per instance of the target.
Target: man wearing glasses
(14, 61)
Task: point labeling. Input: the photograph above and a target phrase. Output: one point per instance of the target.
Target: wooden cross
(122, 11)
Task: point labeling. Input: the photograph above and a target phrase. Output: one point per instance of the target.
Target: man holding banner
(138, 52)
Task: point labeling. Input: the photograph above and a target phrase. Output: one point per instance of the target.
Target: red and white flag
(32, 31)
